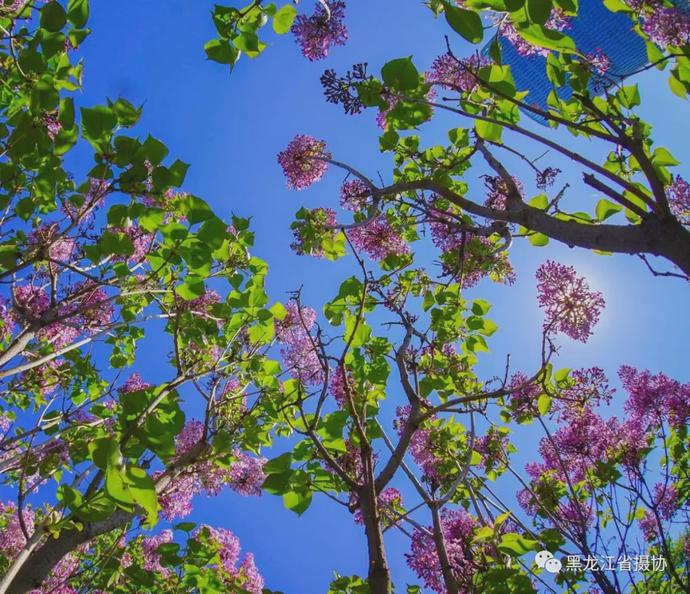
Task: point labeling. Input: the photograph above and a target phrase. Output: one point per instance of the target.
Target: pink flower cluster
(355, 195)
(56, 582)
(316, 34)
(245, 475)
(387, 502)
(523, 397)
(149, 548)
(378, 239)
(134, 383)
(421, 447)
(498, 192)
(302, 161)
(653, 398)
(12, 538)
(666, 503)
(458, 75)
(556, 22)
(6, 319)
(599, 61)
(299, 351)
(467, 256)
(228, 548)
(589, 388)
(666, 26)
(679, 199)
(569, 305)
(51, 124)
(458, 528)
(48, 238)
(84, 311)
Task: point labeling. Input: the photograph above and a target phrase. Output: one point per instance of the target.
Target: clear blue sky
(230, 127)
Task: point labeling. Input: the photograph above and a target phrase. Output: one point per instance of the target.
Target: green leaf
(283, 18)
(538, 239)
(540, 201)
(544, 404)
(195, 209)
(297, 502)
(96, 509)
(190, 289)
(127, 114)
(280, 464)
(539, 11)
(488, 130)
(465, 22)
(400, 74)
(116, 244)
(69, 496)
(53, 17)
(480, 307)
(547, 38)
(606, 208)
(213, 233)
(516, 545)
(220, 50)
(97, 122)
(78, 12)
(561, 374)
(143, 492)
(662, 156)
(571, 6)
(617, 6)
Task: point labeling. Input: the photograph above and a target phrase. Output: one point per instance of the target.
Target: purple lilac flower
(316, 34)
(569, 305)
(301, 161)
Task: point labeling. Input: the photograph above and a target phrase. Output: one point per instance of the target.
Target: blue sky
(230, 127)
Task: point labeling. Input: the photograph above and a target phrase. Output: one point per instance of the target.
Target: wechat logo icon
(546, 560)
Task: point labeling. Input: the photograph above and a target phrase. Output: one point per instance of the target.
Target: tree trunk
(446, 569)
(379, 574)
(40, 563)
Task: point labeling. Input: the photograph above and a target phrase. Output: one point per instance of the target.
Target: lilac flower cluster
(7, 320)
(302, 161)
(666, 26)
(467, 256)
(229, 548)
(421, 447)
(12, 538)
(245, 475)
(355, 195)
(498, 192)
(457, 75)
(56, 582)
(378, 239)
(458, 529)
(557, 22)
(56, 247)
(678, 194)
(654, 398)
(589, 388)
(523, 396)
(599, 61)
(299, 351)
(316, 34)
(569, 305)
(388, 501)
(666, 502)
(51, 124)
(149, 548)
